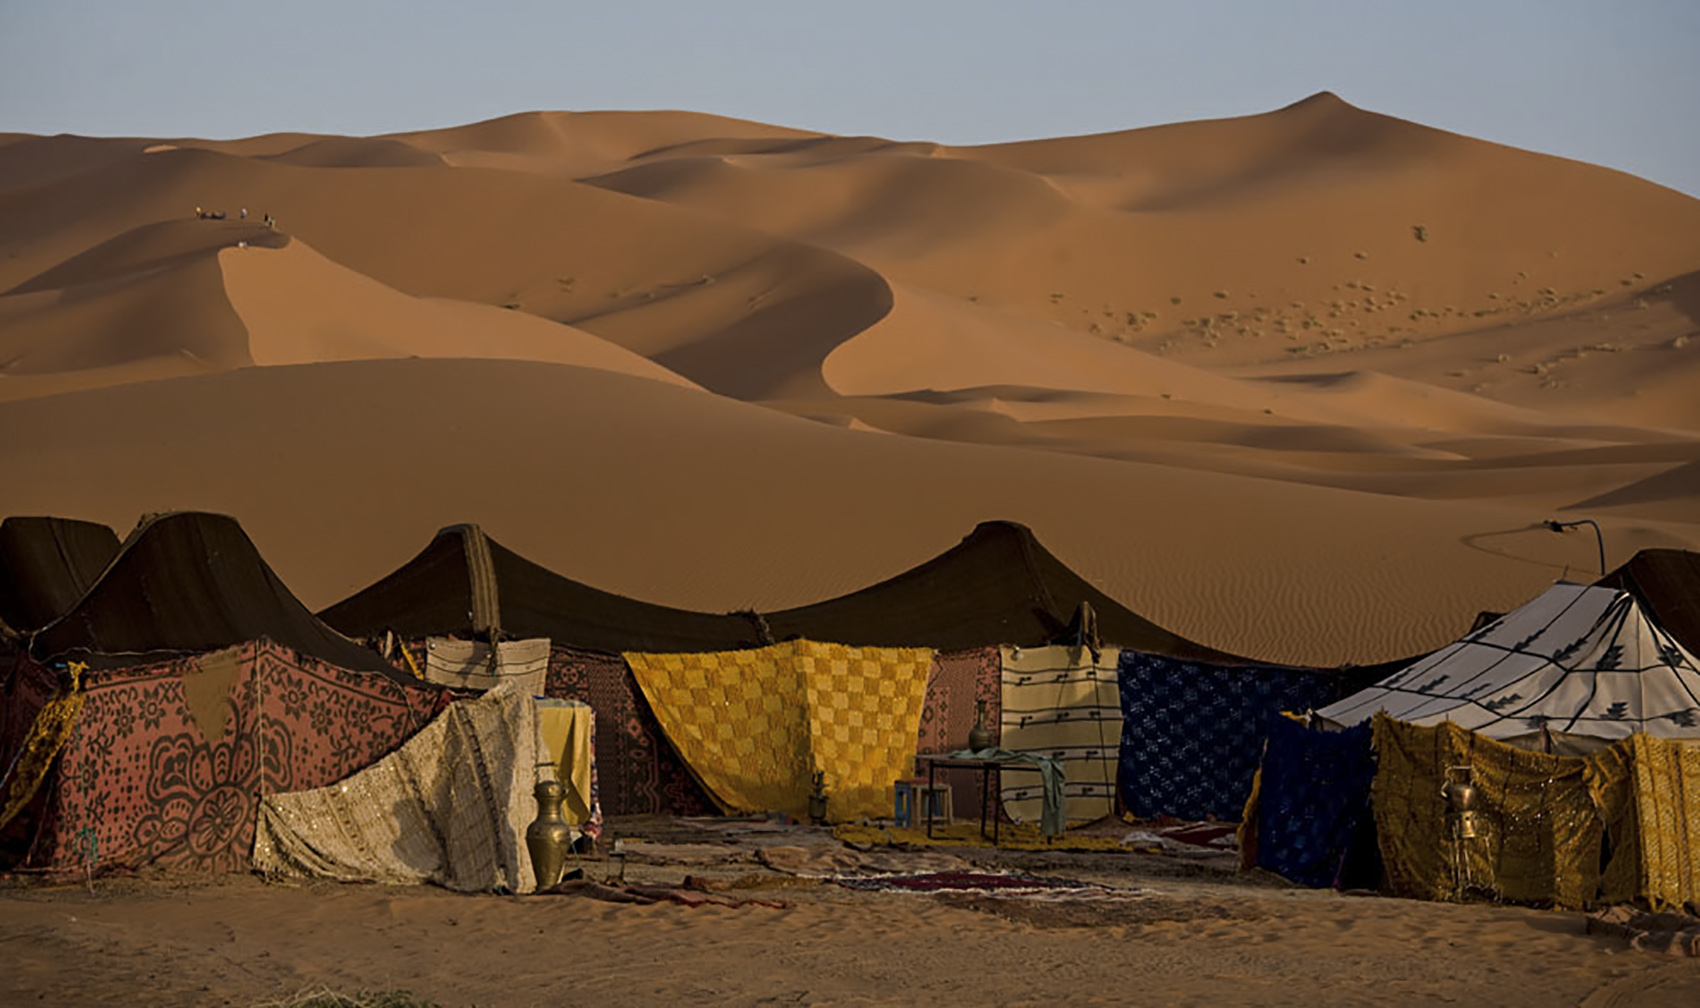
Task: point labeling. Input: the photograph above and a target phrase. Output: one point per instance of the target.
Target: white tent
(1580, 660)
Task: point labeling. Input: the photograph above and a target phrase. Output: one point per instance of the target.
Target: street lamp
(1599, 540)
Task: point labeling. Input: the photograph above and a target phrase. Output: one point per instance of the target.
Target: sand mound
(349, 152)
(577, 144)
(151, 247)
(186, 297)
(299, 308)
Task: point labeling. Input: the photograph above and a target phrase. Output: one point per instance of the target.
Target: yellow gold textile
(1539, 832)
(565, 727)
(412, 666)
(47, 735)
(1245, 836)
(1648, 791)
(755, 725)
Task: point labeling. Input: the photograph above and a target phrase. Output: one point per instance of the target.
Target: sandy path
(238, 941)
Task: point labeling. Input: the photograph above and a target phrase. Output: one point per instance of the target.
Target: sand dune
(187, 297)
(1300, 223)
(300, 308)
(1299, 385)
(577, 144)
(699, 501)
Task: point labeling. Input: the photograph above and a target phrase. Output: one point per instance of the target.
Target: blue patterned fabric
(1192, 733)
(1313, 800)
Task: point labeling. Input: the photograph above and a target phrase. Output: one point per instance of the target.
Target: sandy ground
(1170, 937)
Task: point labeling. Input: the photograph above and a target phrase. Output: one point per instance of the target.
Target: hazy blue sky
(1616, 83)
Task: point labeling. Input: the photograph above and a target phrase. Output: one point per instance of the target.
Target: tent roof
(997, 586)
(191, 582)
(46, 564)
(464, 582)
(1577, 659)
(1667, 584)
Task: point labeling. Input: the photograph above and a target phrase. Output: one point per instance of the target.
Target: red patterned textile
(141, 785)
(958, 683)
(638, 771)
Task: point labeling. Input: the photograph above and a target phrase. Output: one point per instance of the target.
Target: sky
(1611, 83)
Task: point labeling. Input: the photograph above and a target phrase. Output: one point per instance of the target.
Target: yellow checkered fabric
(756, 725)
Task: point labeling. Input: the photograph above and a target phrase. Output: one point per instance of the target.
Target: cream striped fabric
(466, 664)
(1062, 702)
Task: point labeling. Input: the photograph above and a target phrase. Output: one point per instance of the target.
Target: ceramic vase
(979, 737)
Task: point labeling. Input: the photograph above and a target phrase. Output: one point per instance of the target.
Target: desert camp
(188, 713)
(737, 504)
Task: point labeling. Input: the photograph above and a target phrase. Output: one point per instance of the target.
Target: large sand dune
(1300, 385)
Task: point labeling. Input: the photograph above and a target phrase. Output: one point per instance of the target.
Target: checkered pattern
(864, 711)
(754, 725)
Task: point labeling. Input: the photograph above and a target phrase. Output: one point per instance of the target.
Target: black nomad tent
(465, 583)
(997, 586)
(46, 564)
(187, 583)
(1667, 584)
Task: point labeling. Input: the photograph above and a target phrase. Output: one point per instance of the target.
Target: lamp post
(1599, 540)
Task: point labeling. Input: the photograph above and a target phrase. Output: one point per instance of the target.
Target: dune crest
(301, 308)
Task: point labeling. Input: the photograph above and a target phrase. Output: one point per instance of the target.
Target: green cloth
(1052, 820)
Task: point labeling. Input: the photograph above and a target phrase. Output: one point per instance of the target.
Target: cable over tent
(1578, 660)
(186, 583)
(46, 565)
(465, 583)
(999, 585)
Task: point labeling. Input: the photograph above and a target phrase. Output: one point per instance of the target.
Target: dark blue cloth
(1192, 733)
(1314, 798)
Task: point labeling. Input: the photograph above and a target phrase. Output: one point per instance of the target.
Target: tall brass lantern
(1462, 822)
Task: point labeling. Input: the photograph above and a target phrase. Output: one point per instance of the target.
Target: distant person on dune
(244, 213)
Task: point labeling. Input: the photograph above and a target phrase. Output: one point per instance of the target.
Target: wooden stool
(916, 799)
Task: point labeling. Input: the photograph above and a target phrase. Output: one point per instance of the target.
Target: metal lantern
(1461, 811)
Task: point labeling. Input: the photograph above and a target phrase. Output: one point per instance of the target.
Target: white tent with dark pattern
(1577, 660)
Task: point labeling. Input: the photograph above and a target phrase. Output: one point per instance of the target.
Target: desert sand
(1164, 935)
(1300, 385)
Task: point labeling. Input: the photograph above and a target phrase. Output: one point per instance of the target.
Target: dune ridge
(1300, 384)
